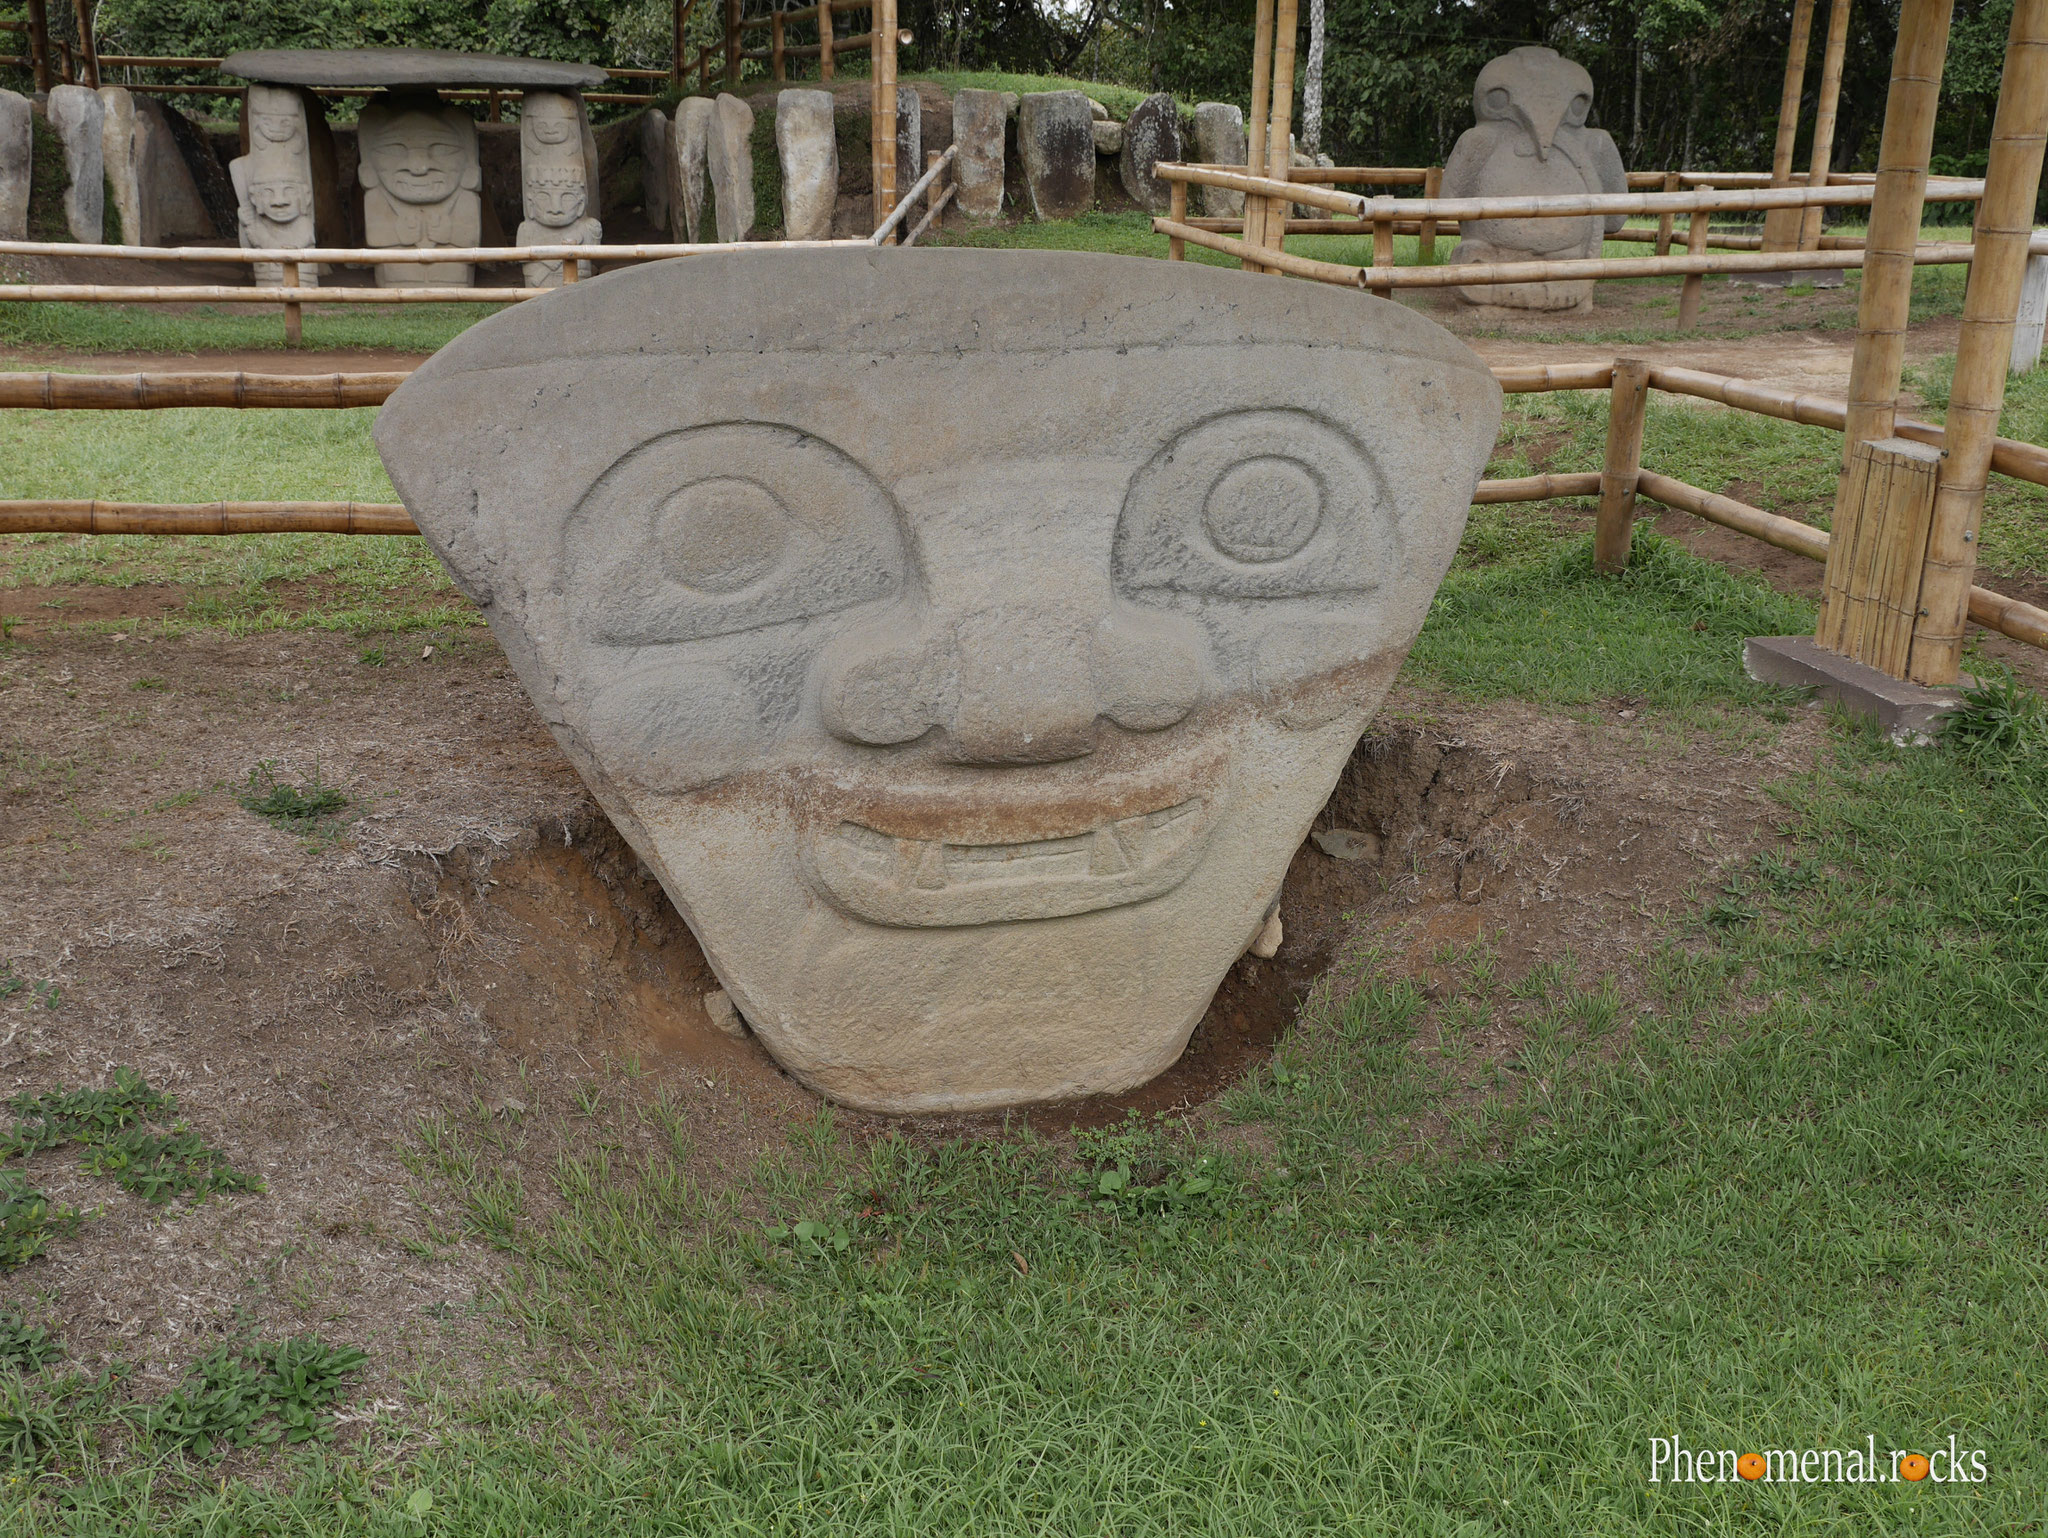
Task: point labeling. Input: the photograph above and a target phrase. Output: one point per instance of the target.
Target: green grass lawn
(148, 328)
(1791, 1199)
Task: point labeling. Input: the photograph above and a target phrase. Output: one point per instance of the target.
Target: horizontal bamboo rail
(808, 13)
(205, 518)
(1541, 378)
(851, 44)
(1538, 488)
(228, 293)
(378, 256)
(1564, 270)
(1992, 611)
(1714, 200)
(153, 392)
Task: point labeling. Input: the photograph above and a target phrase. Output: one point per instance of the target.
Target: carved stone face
(1537, 88)
(275, 118)
(555, 196)
(417, 156)
(548, 118)
(280, 199)
(970, 664)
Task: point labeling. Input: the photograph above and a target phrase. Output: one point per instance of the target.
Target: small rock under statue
(1531, 140)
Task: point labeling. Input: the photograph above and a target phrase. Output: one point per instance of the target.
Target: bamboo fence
(1619, 484)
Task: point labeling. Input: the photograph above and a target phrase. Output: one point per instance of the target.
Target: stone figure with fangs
(970, 656)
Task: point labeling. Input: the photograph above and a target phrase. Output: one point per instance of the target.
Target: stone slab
(1056, 143)
(1109, 137)
(980, 128)
(694, 115)
(1220, 141)
(657, 170)
(969, 656)
(78, 118)
(909, 137)
(1151, 134)
(1907, 713)
(809, 153)
(729, 158)
(17, 155)
(407, 68)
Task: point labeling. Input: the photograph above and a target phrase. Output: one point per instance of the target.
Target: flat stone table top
(397, 68)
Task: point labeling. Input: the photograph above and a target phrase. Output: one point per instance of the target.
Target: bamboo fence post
(775, 67)
(39, 44)
(1382, 244)
(1782, 226)
(678, 15)
(1280, 126)
(1902, 155)
(88, 50)
(495, 112)
(732, 43)
(1672, 183)
(1824, 117)
(2004, 228)
(882, 116)
(1255, 147)
(1695, 283)
(825, 32)
(292, 334)
(1614, 523)
(1432, 187)
(1177, 211)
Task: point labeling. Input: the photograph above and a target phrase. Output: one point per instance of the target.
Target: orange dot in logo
(1750, 1465)
(1912, 1466)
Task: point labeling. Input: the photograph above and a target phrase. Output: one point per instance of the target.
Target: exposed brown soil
(476, 943)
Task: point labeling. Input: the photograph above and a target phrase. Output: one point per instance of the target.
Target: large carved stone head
(418, 151)
(554, 195)
(548, 119)
(970, 657)
(1537, 88)
(277, 120)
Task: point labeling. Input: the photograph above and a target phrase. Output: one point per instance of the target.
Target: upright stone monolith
(692, 140)
(1151, 134)
(1056, 142)
(729, 156)
(979, 128)
(657, 170)
(78, 118)
(909, 138)
(809, 153)
(1219, 141)
(17, 154)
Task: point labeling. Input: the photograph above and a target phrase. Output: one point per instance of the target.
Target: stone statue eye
(1496, 100)
(1580, 106)
(728, 528)
(1255, 504)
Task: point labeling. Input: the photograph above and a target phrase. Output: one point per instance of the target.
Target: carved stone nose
(1021, 685)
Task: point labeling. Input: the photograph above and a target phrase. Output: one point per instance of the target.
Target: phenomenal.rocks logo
(1672, 1461)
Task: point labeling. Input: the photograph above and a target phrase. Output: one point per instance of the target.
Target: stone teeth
(930, 871)
(1106, 856)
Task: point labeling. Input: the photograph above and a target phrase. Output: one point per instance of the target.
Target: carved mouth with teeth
(929, 882)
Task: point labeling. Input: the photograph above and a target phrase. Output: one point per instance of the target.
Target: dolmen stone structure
(274, 181)
(968, 657)
(1530, 140)
(419, 166)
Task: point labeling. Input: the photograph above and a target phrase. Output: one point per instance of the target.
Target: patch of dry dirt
(479, 944)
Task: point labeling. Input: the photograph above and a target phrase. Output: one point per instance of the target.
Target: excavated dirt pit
(470, 940)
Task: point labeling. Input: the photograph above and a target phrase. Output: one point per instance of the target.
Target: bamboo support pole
(1255, 146)
(1785, 533)
(1824, 116)
(1177, 212)
(938, 195)
(884, 123)
(88, 51)
(1902, 156)
(826, 40)
(1694, 289)
(1781, 229)
(679, 17)
(1614, 522)
(39, 44)
(1665, 221)
(1537, 488)
(775, 62)
(1426, 230)
(1382, 253)
(1280, 125)
(40, 517)
(293, 333)
(935, 168)
(155, 392)
(2004, 231)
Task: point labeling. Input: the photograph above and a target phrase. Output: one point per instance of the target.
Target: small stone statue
(421, 178)
(555, 201)
(274, 182)
(1532, 140)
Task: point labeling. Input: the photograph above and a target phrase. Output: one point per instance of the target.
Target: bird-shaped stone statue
(1531, 140)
